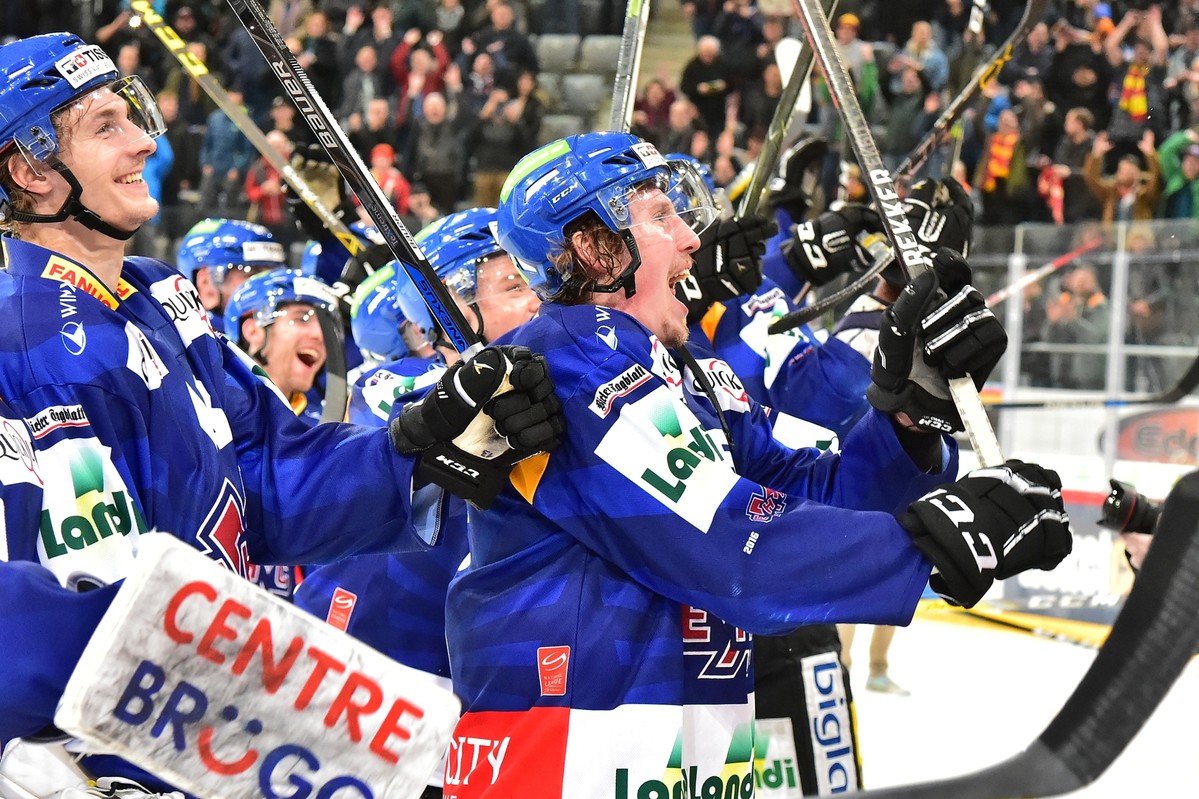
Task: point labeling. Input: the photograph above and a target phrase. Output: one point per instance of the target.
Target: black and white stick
(1153, 639)
(1034, 13)
(628, 65)
(295, 82)
(891, 210)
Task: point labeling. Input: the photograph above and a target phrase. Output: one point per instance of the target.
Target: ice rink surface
(981, 694)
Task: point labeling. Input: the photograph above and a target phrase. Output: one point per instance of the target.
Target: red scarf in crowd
(999, 158)
(1133, 99)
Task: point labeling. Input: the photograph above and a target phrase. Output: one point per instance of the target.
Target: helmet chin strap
(628, 278)
(72, 207)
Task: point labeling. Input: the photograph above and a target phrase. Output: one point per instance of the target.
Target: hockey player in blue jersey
(273, 317)
(601, 638)
(396, 602)
(220, 254)
(154, 423)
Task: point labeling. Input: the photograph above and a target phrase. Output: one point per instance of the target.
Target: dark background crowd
(1094, 119)
(1090, 120)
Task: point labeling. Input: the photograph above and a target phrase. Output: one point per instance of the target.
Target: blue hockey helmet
(411, 305)
(265, 295)
(456, 244)
(224, 244)
(556, 185)
(42, 75)
(312, 254)
(375, 316)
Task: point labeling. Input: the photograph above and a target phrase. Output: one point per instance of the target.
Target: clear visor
(92, 115)
(299, 314)
(680, 182)
(462, 280)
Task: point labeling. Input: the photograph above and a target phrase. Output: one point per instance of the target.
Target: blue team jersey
(394, 602)
(599, 637)
(823, 383)
(150, 422)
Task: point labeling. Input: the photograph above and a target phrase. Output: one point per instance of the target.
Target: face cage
(139, 100)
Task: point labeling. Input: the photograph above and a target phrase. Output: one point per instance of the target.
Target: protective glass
(141, 118)
(680, 182)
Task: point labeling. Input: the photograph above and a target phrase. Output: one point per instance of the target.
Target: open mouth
(678, 278)
(131, 178)
(309, 358)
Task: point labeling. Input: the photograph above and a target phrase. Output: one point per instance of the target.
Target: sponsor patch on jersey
(56, 417)
(659, 445)
(829, 722)
(729, 390)
(384, 387)
(84, 63)
(341, 608)
(664, 365)
(636, 375)
(74, 337)
(765, 505)
(793, 432)
(180, 299)
(18, 461)
(89, 519)
(73, 274)
(762, 302)
(553, 663)
(143, 359)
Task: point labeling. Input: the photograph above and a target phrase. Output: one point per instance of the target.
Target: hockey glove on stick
(927, 339)
(314, 167)
(727, 264)
(941, 214)
(511, 390)
(990, 525)
(823, 249)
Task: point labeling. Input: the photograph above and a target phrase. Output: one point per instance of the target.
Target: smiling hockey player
(601, 639)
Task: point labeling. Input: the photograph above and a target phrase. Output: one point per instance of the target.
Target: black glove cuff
(801, 266)
(927, 412)
(958, 584)
(464, 475)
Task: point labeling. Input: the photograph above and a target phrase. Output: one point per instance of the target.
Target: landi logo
(552, 663)
(1170, 435)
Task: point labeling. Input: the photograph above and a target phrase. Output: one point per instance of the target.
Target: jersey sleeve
(648, 485)
(36, 667)
(314, 494)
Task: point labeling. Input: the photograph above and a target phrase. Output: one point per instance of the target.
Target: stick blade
(786, 53)
(1153, 639)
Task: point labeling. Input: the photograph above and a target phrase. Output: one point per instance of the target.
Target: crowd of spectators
(1094, 117)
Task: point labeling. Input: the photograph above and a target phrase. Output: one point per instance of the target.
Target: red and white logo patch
(341, 608)
(552, 663)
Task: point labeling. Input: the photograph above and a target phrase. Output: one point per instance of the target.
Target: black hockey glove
(823, 249)
(927, 340)
(991, 524)
(471, 428)
(727, 264)
(320, 174)
(941, 214)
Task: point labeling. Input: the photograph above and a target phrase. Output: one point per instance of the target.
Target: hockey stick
(1150, 644)
(318, 116)
(336, 396)
(904, 246)
(198, 71)
(1040, 273)
(1034, 13)
(780, 123)
(1185, 385)
(628, 65)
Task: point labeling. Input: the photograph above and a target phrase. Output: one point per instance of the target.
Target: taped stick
(891, 211)
(628, 65)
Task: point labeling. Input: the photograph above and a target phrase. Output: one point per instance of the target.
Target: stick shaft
(198, 71)
(891, 209)
(628, 65)
(780, 123)
(318, 116)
